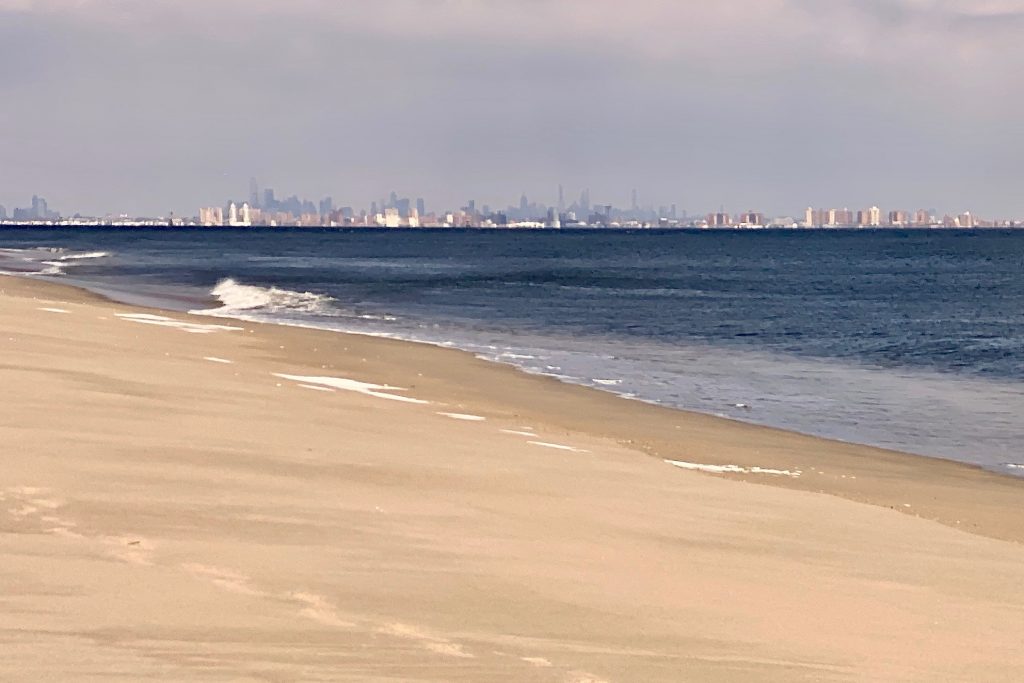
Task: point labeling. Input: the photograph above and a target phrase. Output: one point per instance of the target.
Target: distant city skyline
(169, 105)
(263, 206)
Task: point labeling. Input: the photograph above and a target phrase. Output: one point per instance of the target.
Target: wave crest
(238, 298)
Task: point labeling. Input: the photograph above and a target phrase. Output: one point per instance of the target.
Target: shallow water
(912, 340)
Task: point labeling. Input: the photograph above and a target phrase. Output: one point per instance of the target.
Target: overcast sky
(145, 106)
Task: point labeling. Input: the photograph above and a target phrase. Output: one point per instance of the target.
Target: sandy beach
(197, 499)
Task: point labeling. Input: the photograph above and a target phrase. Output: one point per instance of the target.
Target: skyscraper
(326, 206)
(561, 199)
(421, 207)
(254, 193)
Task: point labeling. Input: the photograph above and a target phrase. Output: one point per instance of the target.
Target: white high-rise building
(211, 216)
(874, 217)
(246, 214)
(232, 214)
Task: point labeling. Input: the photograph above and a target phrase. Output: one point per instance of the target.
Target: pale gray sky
(148, 105)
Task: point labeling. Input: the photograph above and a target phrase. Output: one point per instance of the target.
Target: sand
(184, 501)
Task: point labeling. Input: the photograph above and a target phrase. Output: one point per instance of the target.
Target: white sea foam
(54, 310)
(214, 359)
(1015, 466)
(366, 388)
(462, 416)
(517, 432)
(732, 469)
(559, 447)
(239, 298)
(83, 256)
(163, 321)
(608, 382)
(44, 260)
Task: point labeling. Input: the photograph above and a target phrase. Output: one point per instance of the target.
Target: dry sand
(173, 508)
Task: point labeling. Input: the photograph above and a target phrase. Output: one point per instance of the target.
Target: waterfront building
(211, 216)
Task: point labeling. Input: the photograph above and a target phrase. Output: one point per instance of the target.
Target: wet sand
(187, 498)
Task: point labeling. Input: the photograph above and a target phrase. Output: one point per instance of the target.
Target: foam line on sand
(732, 469)
(464, 417)
(164, 321)
(558, 447)
(365, 388)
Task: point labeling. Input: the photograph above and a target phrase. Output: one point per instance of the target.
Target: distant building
(899, 218)
(752, 219)
(3, 213)
(874, 217)
(719, 220)
(211, 216)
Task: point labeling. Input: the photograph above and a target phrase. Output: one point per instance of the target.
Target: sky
(149, 106)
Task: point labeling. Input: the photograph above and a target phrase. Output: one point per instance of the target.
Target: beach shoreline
(279, 498)
(878, 458)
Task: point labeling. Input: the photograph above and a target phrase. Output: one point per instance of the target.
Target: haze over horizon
(144, 107)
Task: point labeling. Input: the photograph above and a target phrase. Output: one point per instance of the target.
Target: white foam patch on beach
(608, 382)
(1015, 466)
(54, 310)
(539, 662)
(517, 432)
(365, 388)
(163, 321)
(318, 609)
(229, 580)
(437, 645)
(464, 417)
(214, 359)
(314, 387)
(558, 447)
(732, 469)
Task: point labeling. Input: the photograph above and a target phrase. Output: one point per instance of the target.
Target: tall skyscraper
(268, 199)
(326, 206)
(524, 203)
(421, 207)
(254, 193)
(561, 198)
(40, 210)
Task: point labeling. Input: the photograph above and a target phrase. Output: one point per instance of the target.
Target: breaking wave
(237, 298)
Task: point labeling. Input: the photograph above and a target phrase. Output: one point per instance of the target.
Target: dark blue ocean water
(905, 339)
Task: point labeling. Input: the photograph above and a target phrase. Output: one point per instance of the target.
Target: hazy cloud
(148, 105)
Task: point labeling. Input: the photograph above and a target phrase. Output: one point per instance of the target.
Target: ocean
(911, 340)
